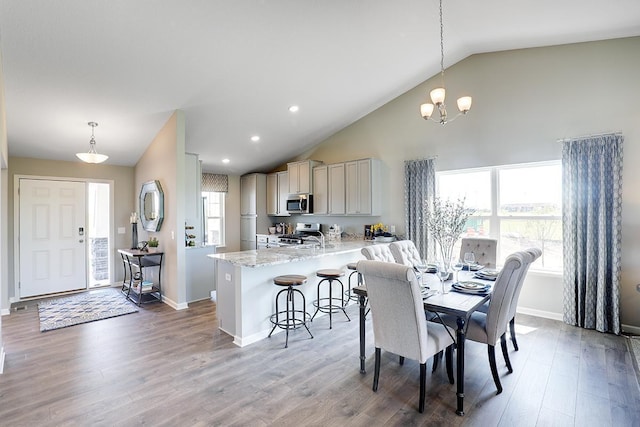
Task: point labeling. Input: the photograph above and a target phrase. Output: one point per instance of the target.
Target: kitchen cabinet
(362, 187)
(277, 193)
(253, 209)
(301, 176)
(320, 190)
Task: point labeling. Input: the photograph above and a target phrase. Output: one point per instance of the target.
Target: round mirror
(151, 205)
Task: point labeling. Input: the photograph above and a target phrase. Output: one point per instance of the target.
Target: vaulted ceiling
(235, 67)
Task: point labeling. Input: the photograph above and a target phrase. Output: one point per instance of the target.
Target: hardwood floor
(165, 367)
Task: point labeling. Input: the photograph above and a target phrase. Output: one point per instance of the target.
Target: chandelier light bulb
(464, 104)
(437, 95)
(426, 110)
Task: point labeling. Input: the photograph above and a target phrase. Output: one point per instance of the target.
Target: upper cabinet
(277, 192)
(248, 193)
(363, 187)
(301, 177)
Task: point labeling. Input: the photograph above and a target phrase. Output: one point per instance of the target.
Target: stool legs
(292, 319)
(330, 307)
(349, 294)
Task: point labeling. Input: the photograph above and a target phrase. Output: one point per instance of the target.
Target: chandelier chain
(441, 46)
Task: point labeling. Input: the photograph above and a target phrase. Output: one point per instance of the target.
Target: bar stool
(330, 305)
(292, 318)
(350, 296)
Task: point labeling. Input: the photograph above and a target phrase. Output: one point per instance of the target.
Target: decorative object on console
(133, 219)
(92, 155)
(153, 243)
(437, 95)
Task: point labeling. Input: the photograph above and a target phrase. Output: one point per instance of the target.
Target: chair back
(405, 252)
(502, 295)
(484, 249)
(397, 311)
(533, 254)
(377, 253)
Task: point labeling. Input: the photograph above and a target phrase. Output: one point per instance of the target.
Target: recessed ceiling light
(255, 138)
(225, 160)
(294, 109)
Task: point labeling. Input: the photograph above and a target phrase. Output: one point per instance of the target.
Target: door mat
(82, 308)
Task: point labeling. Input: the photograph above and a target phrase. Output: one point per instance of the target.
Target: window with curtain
(520, 205)
(214, 191)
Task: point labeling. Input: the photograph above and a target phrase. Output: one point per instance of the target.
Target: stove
(303, 231)
(290, 239)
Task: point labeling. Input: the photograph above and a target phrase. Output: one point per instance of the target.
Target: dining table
(454, 303)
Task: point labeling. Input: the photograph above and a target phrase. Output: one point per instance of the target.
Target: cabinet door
(320, 191)
(272, 194)
(364, 187)
(283, 193)
(352, 188)
(248, 228)
(304, 178)
(294, 180)
(336, 189)
(248, 189)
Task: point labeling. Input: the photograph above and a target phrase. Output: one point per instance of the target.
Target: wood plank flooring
(164, 367)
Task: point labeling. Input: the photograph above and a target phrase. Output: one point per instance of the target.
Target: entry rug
(82, 308)
(635, 354)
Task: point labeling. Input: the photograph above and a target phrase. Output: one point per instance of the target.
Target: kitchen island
(245, 289)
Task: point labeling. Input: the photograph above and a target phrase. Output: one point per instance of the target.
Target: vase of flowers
(445, 221)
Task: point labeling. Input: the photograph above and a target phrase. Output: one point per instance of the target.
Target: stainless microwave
(300, 204)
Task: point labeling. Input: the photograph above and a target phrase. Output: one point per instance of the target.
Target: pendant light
(437, 95)
(92, 156)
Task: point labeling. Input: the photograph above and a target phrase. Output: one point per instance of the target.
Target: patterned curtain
(419, 187)
(591, 216)
(215, 182)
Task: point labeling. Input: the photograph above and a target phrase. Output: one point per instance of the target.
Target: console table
(134, 285)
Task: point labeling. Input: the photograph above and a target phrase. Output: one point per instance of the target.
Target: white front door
(52, 237)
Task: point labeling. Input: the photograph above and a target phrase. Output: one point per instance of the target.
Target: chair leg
(423, 386)
(505, 352)
(494, 370)
(376, 372)
(512, 329)
(401, 360)
(436, 359)
(449, 359)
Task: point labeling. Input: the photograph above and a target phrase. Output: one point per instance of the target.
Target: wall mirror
(151, 205)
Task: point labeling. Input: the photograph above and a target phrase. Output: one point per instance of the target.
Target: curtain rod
(618, 133)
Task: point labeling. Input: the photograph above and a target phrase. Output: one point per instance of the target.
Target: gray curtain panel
(591, 216)
(419, 188)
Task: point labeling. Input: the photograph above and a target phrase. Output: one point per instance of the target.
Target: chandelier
(438, 94)
(92, 155)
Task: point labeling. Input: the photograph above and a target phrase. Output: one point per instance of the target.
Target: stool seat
(290, 280)
(330, 273)
(352, 266)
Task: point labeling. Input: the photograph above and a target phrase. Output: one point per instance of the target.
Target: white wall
(523, 102)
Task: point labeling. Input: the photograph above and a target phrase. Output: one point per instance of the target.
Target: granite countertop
(285, 254)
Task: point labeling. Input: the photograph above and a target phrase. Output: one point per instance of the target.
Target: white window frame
(222, 201)
(495, 218)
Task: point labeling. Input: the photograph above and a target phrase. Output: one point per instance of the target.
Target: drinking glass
(469, 258)
(443, 275)
(422, 267)
(456, 265)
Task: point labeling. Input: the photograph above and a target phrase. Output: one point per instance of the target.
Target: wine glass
(456, 265)
(422, 267)
(443, 275)
(469, 258)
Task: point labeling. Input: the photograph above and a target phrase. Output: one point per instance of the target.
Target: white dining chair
(484, 250)
(405, 252)
(377, 253)
(488, 327)
(399, 323)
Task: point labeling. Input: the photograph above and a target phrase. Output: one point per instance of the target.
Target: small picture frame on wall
(368, 233)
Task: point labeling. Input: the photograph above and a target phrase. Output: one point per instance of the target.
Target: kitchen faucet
(320, 239)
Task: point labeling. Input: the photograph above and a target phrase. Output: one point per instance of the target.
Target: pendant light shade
(92, 156)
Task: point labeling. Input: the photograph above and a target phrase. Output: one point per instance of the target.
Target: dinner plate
(474, 267)
(471, 288)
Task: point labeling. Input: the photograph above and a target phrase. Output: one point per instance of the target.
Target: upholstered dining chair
(399, 322)
(377, 253)
(405, 252)
(487, 327)
(484, 249)
(534, 254)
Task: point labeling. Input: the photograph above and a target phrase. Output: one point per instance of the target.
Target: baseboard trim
(635, 330)
(5, 312)
(540, 313)
(171, 303)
